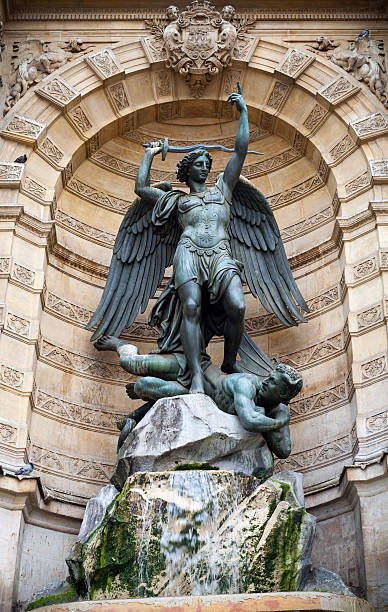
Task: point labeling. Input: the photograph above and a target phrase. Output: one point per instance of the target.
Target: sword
(166, 148)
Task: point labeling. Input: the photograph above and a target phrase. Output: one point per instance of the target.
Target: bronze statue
(259, 399)
(215, 238)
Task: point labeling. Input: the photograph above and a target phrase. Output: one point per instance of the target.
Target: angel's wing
(140, 257)
(256, 242)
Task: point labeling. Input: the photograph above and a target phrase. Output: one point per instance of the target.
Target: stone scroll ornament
(362, 57)
(200, 42)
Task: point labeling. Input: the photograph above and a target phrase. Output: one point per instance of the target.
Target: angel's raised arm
(142, 184)
(235, 164)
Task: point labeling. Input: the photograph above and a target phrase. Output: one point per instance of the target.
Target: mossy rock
(259, 539)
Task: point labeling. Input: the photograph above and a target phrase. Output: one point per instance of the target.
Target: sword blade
(215, 147)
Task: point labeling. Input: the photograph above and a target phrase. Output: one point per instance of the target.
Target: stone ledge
(219, 603)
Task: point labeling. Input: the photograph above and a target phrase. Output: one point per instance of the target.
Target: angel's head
(172, 12)
(195, 166)
(282, 384)
(228, 12)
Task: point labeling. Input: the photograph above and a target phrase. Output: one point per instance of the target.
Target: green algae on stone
(67, 596)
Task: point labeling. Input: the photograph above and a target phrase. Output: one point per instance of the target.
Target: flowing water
(198, 503)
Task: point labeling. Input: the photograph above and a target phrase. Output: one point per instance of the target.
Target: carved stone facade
(76, 127)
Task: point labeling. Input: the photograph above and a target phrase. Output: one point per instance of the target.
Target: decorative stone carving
(343, 148)
(11, 377)
(326, 349)
(8, 434)
(4, 265)
(377, 422)
(118, 96)
(10, 174)
(379, 170)
(78, 415)
(364, 268)
(374, 368)
(79, 119)
(358, 184)
(295, 193)
(318, 403)
(93, 144)
(309, 224)
(295, 62)
(104, 63)
(199, 42)
(33, 189)
(84, 230)
(139, 136)
(69, 466)
(23, 129)
(106, 160)
(34, 61)
(278, 95)
(324, 454)
(22, 275)
(18, 325)
(62, 308)
(338, 90)
(363, 58)
(81, 364)
(315, 118)
(369, 317)
(384, 259)
(59, 92)
(106, 200)
(370, 126)
(229, 82)
(49, 151)
(67, 173)
(163, 83)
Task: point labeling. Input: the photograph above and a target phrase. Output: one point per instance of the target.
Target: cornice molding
(141, 15)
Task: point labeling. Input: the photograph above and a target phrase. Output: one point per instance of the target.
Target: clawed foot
(231, 368)
(197, 384)
(107, 343)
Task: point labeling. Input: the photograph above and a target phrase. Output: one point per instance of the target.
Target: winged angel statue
(215, 238)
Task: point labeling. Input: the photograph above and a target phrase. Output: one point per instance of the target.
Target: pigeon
(21, 159)
(25, 470)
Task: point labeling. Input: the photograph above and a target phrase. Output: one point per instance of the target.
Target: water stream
(196, 561)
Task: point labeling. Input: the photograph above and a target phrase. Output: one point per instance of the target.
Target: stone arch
(337, 124)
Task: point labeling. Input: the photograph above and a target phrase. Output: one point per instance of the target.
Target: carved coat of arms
(199, 42)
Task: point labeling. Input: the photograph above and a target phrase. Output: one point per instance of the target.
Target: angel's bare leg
(234, 308)
(150, 388)
(163, 366)
(190, 297)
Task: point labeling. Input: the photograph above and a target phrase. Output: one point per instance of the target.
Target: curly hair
(292, 378)
(183, 167)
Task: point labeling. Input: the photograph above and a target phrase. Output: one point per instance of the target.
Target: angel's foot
(231, 368)
(197, 384)
(108, 343)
